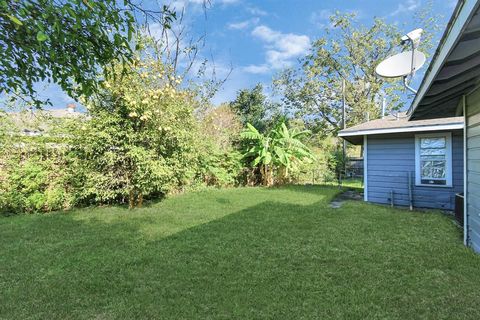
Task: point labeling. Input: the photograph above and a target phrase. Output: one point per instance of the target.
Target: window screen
(433, 160)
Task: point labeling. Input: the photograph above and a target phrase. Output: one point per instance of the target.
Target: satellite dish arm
(414, 38)
(405, 83)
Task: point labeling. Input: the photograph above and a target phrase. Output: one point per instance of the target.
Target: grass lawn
(246, 253)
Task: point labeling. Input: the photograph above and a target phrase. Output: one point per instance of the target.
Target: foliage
(220, 169)
(33, 182)
(222, 126)
(250, 105)
(348, 52)
(66, 42)
(140, 140)
(220, 164)
(324, 168)
(277, 152)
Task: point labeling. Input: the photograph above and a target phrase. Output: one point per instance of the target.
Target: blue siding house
(451, 86)
(445, 153)
(411, 163)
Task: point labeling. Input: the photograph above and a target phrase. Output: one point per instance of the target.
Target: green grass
(238, 254)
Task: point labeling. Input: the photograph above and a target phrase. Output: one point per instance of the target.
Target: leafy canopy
(66, 42)
(250, 105)
(276, 152)
(140, 140)
(348, 52)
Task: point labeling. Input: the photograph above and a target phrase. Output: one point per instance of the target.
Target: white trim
(448, 156)
(465, 207)
(451, 40)
(365, 168)
(453, 126)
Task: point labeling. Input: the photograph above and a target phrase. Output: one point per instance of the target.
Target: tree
(66, 42)
(277, 152)
(140, 139)
(349, 53)
(222, 126)
(250, 106)
(220, 163)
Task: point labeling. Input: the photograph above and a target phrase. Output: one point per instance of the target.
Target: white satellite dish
(406, 63)
(401, 65)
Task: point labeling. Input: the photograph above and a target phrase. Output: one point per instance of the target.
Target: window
(433, 159)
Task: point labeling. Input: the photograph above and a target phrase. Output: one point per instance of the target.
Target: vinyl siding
(391, 157)
(473, 169)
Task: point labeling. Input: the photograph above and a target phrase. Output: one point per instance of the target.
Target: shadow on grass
(271, 259)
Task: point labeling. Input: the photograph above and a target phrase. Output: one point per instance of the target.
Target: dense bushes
(143, 137)
(34, 177)
(140, 140)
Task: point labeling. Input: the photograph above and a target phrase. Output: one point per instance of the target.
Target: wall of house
(472, 123)
(391, 157)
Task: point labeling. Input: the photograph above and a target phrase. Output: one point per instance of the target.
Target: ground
(248, 253)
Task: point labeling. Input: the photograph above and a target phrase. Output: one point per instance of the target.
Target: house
(417, 163)
(450, 88)
(36, 122)
(451, 85)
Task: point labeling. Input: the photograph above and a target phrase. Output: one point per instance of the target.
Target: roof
(399, 124)
(455, 67)
(35, 123)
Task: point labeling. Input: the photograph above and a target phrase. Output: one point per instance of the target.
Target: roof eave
(462, 14)
(450, 126)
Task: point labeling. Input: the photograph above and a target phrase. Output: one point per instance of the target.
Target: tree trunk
(140, 200)
(131, 199)
(264, 173)
(267, 176)
(282, 175)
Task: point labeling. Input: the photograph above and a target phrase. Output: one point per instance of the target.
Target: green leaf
(15, 20)
(41, 36)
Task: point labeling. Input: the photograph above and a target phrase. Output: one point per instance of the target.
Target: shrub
(140, 140)
(33, 183)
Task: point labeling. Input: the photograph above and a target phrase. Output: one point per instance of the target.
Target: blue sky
(259, 38)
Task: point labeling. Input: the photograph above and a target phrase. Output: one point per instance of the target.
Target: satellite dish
(401, 65)
(406, 63)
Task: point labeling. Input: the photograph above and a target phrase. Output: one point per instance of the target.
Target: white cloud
(179, 5)
(265, 33)
(243, 24)
(239, 25)
(212, 2)
(256, 11)
(257, 69)
(282, 48)
(408, 6)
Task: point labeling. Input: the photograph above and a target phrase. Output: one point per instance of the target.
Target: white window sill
(434, 185)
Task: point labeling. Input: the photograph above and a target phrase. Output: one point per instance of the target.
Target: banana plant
(289, 149)
(261, 151)
(279, 151)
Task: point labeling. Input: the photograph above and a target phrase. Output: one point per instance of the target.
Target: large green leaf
(41, 36)
(15, 20)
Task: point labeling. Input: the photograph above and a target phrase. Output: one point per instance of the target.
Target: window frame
(448, 159)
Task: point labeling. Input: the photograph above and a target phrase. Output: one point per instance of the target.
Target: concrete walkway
(338, 201)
